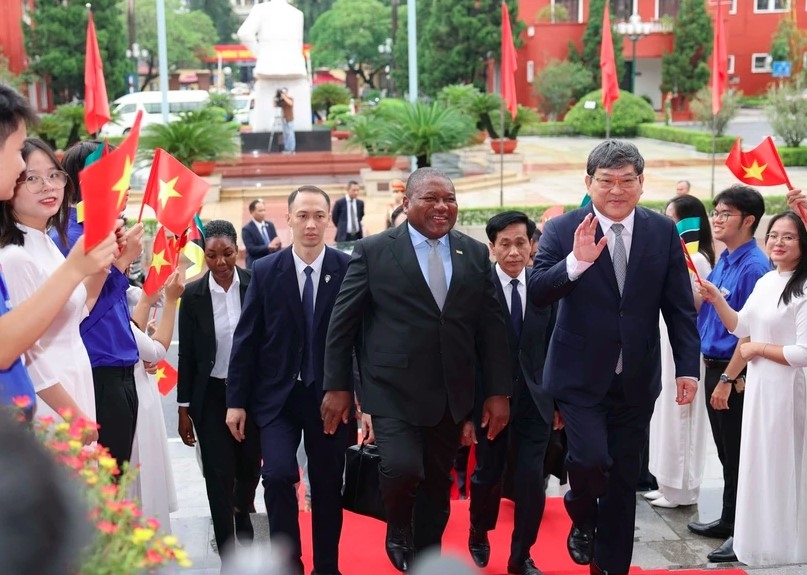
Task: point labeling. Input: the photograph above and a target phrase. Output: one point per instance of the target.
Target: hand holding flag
(164, 261)
(166, 377)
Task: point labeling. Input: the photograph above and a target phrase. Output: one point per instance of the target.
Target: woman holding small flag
(678, 432)
(771, 516)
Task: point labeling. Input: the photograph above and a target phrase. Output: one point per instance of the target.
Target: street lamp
(635, 30)
(135, 53)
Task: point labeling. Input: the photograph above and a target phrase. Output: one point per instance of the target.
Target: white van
(126, 108)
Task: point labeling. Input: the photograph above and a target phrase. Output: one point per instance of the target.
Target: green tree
(222, 15)
(589, 56)
(348, 36)
(685, 70)
(55, 42)
(787, 113)
(459, 36)
(189, 35)
(559, 85)
(701, 107)
(7, 76)
(789, 44)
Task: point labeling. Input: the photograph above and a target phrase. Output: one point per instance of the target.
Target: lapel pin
(458, 251)
(327, 279)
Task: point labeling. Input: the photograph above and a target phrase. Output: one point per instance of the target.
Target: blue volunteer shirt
(735, 275)
(74, 231)
(14, 381)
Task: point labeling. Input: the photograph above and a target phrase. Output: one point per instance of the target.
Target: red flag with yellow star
(166, 377)
(762, 166)
(163, 262)
(174, 192)
(104, 186)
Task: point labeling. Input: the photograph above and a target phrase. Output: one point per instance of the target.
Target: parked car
(126, 107)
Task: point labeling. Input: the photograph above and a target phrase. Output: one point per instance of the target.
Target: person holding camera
(286, 104)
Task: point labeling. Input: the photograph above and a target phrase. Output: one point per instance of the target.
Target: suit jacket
(416, 361)
(269, 339)
(594, 322)
(528, 352)
(197, 341)
(254, 242)
(339, 217)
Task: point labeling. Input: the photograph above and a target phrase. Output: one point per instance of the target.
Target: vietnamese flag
(610, 83)
(163, 262)
(509, 64)
(762, 166)
(166, 377)
(720, 63)
(96, 103)
(104, 187)
(174, 192)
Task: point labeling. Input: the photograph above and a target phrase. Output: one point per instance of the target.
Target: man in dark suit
(603, 364)
(207, 319)
(532, 412)
(422, 297)
(276, 373)
(348, 213)
(259, 234)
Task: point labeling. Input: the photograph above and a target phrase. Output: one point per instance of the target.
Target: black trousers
(416, 467)
(231, 469)
(605, 444)
(326, 463)
(726, 429)
(528, 434)
(116, 410)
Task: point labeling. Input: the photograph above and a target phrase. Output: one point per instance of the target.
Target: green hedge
(793, 156)
(629, 111)
(701, 140)
(549, 129)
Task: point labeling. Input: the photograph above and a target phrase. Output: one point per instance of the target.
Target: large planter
(509, 145)
(203, 168)
(340, 134)
(381, 163)
(480, 137)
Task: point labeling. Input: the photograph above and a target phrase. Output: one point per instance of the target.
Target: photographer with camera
(286, 104)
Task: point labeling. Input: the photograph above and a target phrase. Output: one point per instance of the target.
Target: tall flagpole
(412, 51)
(162, 53)
(715, 82)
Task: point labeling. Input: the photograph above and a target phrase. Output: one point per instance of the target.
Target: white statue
(273, 32)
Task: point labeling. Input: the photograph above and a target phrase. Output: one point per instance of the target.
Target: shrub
(559, 85)
(549, 129)
(324, 96)
(787, 113)
(337, 116)
(700, 140)
(793, 156)
(629, 112)
(701, 107)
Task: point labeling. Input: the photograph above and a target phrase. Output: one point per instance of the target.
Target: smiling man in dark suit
(423, 299)
(275, 379)
(259, 234)
(532, 412)
(603, 364)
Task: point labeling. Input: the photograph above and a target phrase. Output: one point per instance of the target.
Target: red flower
(21, 401)
(106, 527)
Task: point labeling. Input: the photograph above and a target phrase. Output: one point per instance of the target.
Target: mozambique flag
(166, 377)
(104, 185)
(174, 192)
(194, 248)
(762, 166)
(690, 264)
(163, 262)
(690, 231)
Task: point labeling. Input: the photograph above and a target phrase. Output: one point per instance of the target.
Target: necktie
(437, 274)
(354, 224)
(620, 270)
(264, 233)
(516, 310)
(307, 369)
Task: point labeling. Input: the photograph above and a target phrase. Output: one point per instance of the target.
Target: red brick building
(750, 25)
(12, 45)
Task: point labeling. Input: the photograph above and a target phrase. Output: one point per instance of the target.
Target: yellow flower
(141, 535)
(75, 444)
(170, 540)
(62, 427)
(182, 558)
(107, 462)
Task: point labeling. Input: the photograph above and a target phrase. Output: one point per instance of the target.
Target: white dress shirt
(576, 268)
(300, 266)
(507, 287)
(226, 312)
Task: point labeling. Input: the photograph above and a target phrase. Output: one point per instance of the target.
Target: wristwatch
(725, 379)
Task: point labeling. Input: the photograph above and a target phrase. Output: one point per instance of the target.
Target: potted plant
(501, 117)
(367, 131)
(469, 100)
(325, 96)
(198, 139)
(337, 120)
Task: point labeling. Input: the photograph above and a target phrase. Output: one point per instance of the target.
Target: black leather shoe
(526, 568)
(580, 544)
(724, 553)
(718, 529)
(479, 546)
(243, 527)
(400, 547)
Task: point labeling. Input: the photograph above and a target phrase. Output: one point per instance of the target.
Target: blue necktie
(264, 233)
(307, 369)
(516, 314)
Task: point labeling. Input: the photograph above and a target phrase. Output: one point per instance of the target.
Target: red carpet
(362, 549)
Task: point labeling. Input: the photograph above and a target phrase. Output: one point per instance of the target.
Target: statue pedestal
(377, 183)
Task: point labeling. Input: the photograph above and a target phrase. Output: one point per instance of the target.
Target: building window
(771, 5)
(668, 8)
(571, 7)
(760, 63)
(730, 65)
(623, 9)
(530, 71)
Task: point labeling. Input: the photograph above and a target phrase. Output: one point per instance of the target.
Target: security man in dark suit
(275, 379)
(423, 299)
(259, 234)
(532, 412)
(348, 213)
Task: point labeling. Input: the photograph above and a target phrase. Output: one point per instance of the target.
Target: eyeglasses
(786, 238)
(35, 184)
(723, 217)
(628, 183)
